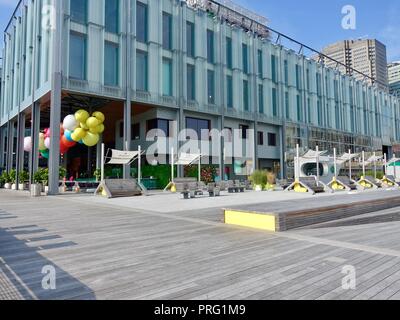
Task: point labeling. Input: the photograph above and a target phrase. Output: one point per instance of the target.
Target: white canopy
(347, 157)
(122, 157)
(373, 159)
(187, 159)
(311, 154)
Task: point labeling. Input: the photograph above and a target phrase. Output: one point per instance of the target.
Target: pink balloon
(47, 142)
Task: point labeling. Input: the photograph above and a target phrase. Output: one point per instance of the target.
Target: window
(245, 95)
(161, 124)
(167, 31)
(77, 56)
(210, 46)
(167, 77)
(287, 105)
(111, 65)
(211, 86)
(190, 39)
(245, 57)
(261, 98)
(274, 103)
(244, 130)
(135, 131)
(141, 71)
(229, 60)
(260, 138)
(260, 63)
(273, 68)
(191, 83)
(112, 15)
(228, 136)
(298, 77)
(272, 142)
(286, 67)
(141, 22)
(78, 9)
(229, 91)
(299, 107)
(200, 126)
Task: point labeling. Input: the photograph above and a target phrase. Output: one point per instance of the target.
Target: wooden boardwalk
(104, 251)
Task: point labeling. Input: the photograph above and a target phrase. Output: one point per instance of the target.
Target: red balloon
(63, 149)
(61, 130)
(65, 142)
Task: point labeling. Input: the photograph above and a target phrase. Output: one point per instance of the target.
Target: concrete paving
(162, 247)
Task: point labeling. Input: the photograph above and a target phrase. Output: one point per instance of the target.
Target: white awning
(311, 154)
(373, 159)
(122, 157)
(186, 159)
(347, 157)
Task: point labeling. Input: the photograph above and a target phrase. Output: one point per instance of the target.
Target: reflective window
(191, 82)
(245, 57)
(261, 98)
(77, 56)
(141, 22)
(211, 86)
(229, 60)
(167, 31)
(111, 64)
(78, 10)
(246, 104)
(190, 39)
(167, 77)
(141, 71)
(229, 91)
(210, 46)
(112, 15)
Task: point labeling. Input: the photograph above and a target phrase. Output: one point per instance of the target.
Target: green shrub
(370, 173)
(160, 172)
(259, 178)
(13, 176)
(23, 176)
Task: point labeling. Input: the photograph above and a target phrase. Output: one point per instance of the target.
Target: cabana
(112, 188)
(367, 182)
(389, 180)
(184, 159)
(343, 183)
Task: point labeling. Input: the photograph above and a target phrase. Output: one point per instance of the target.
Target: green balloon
(45, 154)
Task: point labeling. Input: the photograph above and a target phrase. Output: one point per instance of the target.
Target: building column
(35, 129)
(128, 81)
(10, 146)
(20, 146)
(55, 105)
(2, 144)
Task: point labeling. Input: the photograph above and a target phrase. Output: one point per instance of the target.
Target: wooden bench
(213, 190)
(350, 184)
(374, 181)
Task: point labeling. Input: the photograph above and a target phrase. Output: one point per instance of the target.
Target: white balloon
(47, 143)
(70, 123)
(28, 144)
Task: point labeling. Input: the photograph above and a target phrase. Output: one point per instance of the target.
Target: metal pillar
(2, 144)
(35, 129)
(128, 81)
(20, 147)
(55, 106)
(350, 169)
(10, 146)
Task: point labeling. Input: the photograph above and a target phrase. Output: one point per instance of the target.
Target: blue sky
(314, 22)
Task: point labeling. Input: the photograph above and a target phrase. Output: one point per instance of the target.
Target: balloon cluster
(78, 128)
(83, 128)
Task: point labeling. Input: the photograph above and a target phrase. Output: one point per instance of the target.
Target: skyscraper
(368, 56)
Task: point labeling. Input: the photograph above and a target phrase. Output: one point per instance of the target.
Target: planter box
(13, 186)
(7, 186)
(36, 190)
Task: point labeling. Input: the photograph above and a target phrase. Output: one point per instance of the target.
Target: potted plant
(271, 181)
(7, 180)
(2, 181)
(23, 179)
(259, 180)
(97, 174)
(13, 179)
(36, 187)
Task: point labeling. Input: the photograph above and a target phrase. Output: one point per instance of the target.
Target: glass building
(148, 63)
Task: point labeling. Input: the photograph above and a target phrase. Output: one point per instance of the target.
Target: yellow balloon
(82, 116)
(99, 116)
(78, 134)
(91, 139)
(92, 122)
(102, 128)
(84, 126)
